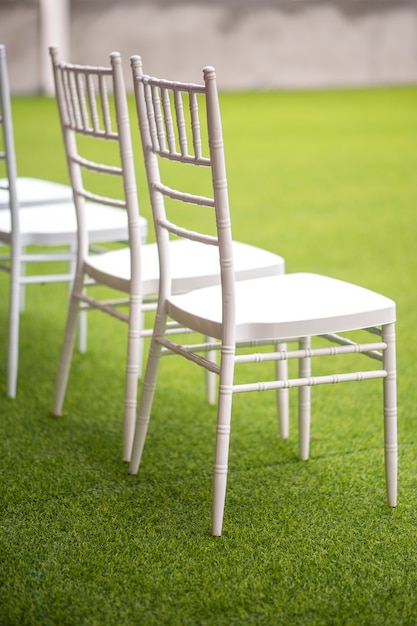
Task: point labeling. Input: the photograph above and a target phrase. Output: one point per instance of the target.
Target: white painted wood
(85, 109)
(41, 213)
(266, 310)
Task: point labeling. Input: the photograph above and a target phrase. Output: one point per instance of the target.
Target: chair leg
(134, 355)
(13, 337)
(390, 414)
(66, 353)
(146, 399)
(82, 331)
(22, 297)
(283, 396)
(211, 378)
(141, 347)
(304, 403)
(82, 315)
(224, 412)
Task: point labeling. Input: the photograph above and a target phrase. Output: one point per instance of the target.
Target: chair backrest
(7, 149)
(22, 192)
(95, 124)
(181, 123)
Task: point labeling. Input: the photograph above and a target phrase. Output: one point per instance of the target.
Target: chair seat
(287, 306)
(32, 191)
(192, 265)
(56, 224)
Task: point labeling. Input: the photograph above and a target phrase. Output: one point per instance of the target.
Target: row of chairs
(38, 225)
(196, 278)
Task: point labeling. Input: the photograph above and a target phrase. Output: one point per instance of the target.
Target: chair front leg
(390, 413)
(304, 402)
(15, 293)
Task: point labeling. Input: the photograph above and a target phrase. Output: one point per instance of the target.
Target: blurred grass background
(328, 180)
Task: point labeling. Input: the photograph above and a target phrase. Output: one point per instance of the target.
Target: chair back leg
(282, 396)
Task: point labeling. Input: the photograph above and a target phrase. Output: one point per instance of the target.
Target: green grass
(328, 180)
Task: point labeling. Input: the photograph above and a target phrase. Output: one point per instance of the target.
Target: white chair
(86, 110)
(281, 309)
(39, 213)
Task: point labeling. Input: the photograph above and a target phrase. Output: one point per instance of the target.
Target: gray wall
(252, 43)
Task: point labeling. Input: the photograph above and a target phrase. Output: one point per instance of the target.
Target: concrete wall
(252, 43)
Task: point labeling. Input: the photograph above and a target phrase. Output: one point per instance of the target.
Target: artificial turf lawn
(328, 180)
